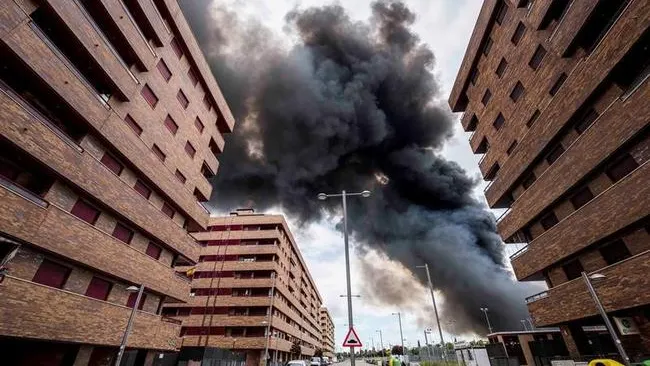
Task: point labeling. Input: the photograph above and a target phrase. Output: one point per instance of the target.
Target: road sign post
(352, 340)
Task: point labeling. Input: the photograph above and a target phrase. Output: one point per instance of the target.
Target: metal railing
(518, 253)
(22, 192)
(536, 297)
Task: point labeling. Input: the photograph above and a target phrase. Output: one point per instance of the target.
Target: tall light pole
(268, 322)
(401, 336)
(381, 341)
(129, 325)
(485, 310)
(433, 299)
(343, 195)
(603, 314)
(523, 322)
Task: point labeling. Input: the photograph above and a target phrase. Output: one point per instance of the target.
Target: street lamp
(603, 314)
(523, 322)
(344, 195)
(485, 310)
(129, 325)
(267, 322)
(401, 336)
(433, 299)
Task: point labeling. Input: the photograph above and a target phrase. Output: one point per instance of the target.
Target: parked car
(326, 360)
(316, 361)
(297, 363)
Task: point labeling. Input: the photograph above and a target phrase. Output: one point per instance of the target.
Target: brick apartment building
(327, 332)
(555, 94)
(245, 258)
(111, 123)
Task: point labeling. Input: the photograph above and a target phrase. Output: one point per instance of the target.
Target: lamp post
(344, 195)
(485, 310)
(401, 336)
(433, 299)
(381, 343)
(603, 314)
(523, 322)
(268, 322)
(129, 325)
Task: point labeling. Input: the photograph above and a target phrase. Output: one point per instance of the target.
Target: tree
(318, 353)
(296, 349)
(397, 350)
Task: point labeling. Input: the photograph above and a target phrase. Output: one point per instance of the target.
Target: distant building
(245, 258)
(110, 123)
(555, 95)
(327, 332)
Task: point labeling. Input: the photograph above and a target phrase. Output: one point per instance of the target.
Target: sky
(446, 26)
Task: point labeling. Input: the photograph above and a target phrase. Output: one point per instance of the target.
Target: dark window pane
(581, 197)
(199, 125)
(156, 150)
(558, 84)
(549, 221)
(177, 48)
(474, 76)
(180, 176)
(499, 121)
(111, 163)
(533, 118)
(130, 302)
(537, 58)
(511, 148)
(123, 233)
(502, 67)
(141, 188)
(85, 211)
(492, 172)
(517, 92)
(586, 120)
(168, 210)
(192, 76)
(164, 70)
(171, 125)
(487, 46)
(182, 99)
(519, 33)
(555, 154)
(573, 269)
(615, 252)
(153, 250)
(189, 149)
(149, 96)
(501, 13)
(486, 97)
(98, 288)
(51, 274)
(621, 167)
(134, 126)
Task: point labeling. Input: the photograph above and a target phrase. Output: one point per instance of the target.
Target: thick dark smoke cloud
(350, 102)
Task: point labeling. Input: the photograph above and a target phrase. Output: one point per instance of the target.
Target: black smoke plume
(355, 105)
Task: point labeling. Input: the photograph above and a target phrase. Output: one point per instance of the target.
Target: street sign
(352, 339)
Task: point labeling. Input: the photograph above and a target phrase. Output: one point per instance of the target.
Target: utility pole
(485, 310)
(268, 322)
(401, 336)
(433, 299)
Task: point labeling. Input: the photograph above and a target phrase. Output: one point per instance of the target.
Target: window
(558, 84)
(474, 76)
(486, 97)
(180, 176)
(182, 99)
(206, 171)
(492, 173)
(156, 150)
(189, 149)
(511, 148)
(149, 96)
(85, 211)
(206, 102)
(502, 67)
(130, 302)
(111, 163)
(473, 122)
(98, 288)
(586, 120)
(487, 46)
(168, 210)
(498, 122)
(142, 188)
(214, 147)
(581, 197)
(528, 181)
(615, 252)
(483, 146)
(519, 33)
(199, 125)
(501, 13)
(123, 233)
(537, 58)
(171, 125)
(549, 220)
(134, 126)
(51, 274)
(555, 154)
(573, 269)
(153, 250)
(621, 167)
(192, 76)
(517, 92)
(164, 70)
(176, 46)
(533, 118)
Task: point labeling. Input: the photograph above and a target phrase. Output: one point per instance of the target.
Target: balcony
(618, 290)
(59, 232)
(592, 222)
(242, 249)
(238, 235)
(570, 25)
(231, 282)
(32, 310)
(249, 266)
(224, 320)
(247, 343)
(227, 300)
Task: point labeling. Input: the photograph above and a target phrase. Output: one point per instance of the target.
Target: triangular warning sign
(352, 339)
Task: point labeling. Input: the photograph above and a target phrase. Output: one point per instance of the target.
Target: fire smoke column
(353, 105)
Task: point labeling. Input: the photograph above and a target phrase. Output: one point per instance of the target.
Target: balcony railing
(22, 192)
(519, 252)
(536, 297)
